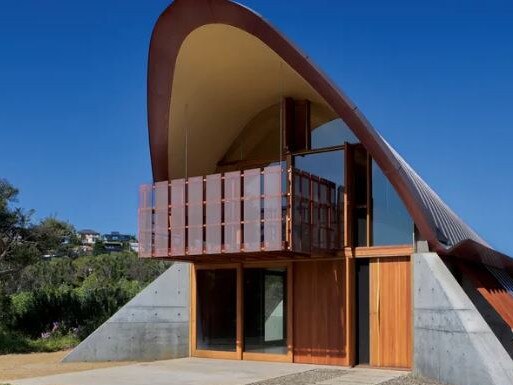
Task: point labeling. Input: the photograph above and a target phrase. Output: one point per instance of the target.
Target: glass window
(391, 223)
(360, 227)
(333, 133)
(259, 140)
(216, 309)
(360, 181)
(330, 166)
(265, 310)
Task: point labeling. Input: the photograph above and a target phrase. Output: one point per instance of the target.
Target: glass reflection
(216, 311)
(330, 166)
(265, 316)
(333, 133)
(360, 181)
(391, 223)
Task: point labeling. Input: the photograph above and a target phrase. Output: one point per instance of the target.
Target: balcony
(260, 213)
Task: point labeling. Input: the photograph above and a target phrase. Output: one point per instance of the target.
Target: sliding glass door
(242, 312)
(265, 310)
(216, 310)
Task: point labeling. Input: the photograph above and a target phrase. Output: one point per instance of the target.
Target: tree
(14, 230)
(55, 237)
(22, 242)
(99, 248)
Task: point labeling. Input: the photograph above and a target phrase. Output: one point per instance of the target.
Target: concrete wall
(452, 341)
(154, 325)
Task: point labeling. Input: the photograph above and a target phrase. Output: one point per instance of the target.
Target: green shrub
(15, 342)
(64, 299)
(54, 343)
(12, 342)
(67, 309)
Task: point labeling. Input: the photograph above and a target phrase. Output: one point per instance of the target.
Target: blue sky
(435, 78)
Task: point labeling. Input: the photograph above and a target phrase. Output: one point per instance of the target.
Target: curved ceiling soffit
(183, 16)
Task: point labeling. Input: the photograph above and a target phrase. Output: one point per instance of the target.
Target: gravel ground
(318, 375)
(304, 378)
(410, 379)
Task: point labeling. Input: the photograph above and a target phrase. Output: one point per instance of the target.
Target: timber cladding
(319, 297)
(390, 312)
(321, 307)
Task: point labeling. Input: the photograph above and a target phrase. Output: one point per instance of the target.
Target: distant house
(115, 242)
(134, 246)
(113, 247)
(115, 236)
(88, 236)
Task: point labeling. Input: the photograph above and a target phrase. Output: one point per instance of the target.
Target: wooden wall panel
(303, 318)
(319, 296)
(390, 312)
(295, 124)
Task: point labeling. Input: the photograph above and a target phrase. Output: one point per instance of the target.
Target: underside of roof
(445, 232)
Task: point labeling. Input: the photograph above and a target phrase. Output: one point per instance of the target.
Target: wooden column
(240, 312)
(348, 195)
(349, 308)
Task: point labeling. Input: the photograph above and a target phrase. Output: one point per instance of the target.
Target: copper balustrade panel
(302, 213)
(195, 215)
(252, 210)
(145, 220)
(160, 220)
(314, 214)
(261, 209)
(177, 217)
(213, 214)
(273, 219)
(232, 212)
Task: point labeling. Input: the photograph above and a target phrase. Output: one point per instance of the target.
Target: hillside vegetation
(51, 303)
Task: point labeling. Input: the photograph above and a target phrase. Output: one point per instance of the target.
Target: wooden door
(390, 312)
(319, 312)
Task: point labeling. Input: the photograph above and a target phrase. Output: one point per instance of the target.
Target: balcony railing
(258, 210)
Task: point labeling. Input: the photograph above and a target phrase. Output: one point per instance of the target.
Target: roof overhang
(170, 34)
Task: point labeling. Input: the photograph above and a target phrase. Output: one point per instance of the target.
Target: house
(116, 236)
(134, 246)
(113, 246)
(89, 237)
(116, 242)
(308, 238)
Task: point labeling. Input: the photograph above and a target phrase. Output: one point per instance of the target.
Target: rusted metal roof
(491, 289)
(445, 232)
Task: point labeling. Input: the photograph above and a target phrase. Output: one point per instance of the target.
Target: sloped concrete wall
(154, 325)
(452, 341)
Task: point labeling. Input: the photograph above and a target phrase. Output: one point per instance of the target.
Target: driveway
(197, 371)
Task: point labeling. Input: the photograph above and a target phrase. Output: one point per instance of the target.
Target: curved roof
(445, 232)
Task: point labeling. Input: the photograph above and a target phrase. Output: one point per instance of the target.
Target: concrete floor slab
(197, 371)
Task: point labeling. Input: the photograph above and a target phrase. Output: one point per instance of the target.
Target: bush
(80, 310)
(108, 268)
(60, 302)
(15, 342)
(54, 343)
(12, 342)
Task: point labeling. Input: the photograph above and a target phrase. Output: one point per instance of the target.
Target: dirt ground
(16, 366)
